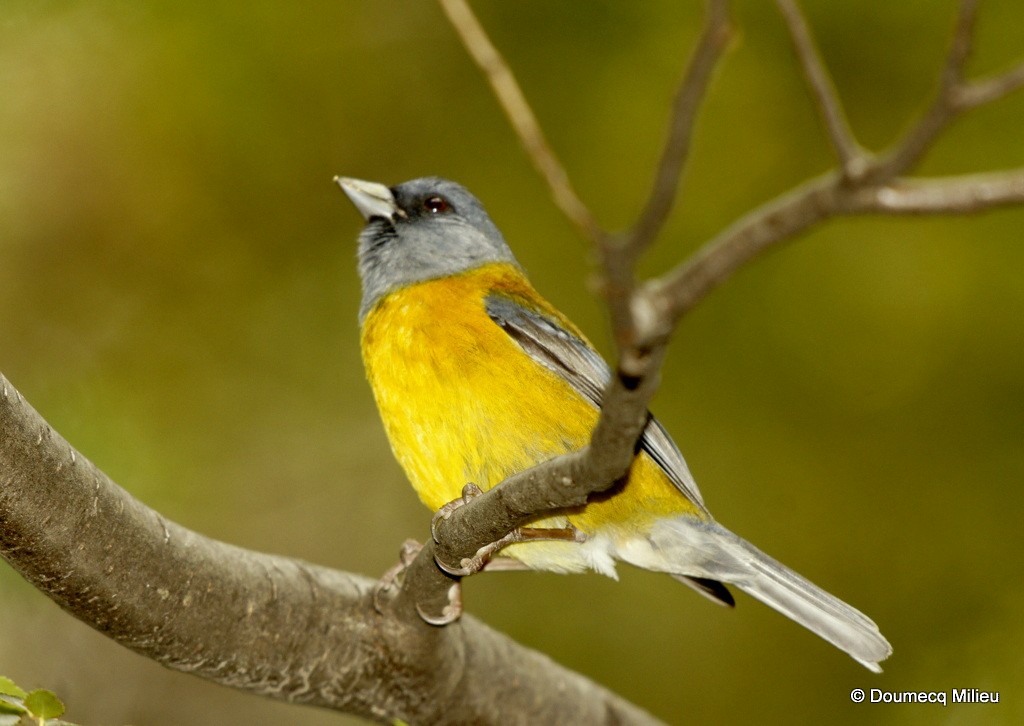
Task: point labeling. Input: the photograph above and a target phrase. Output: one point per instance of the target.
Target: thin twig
(524, 121)
(630, 320)
(569, 480)
(643, 315)
(852, 158)
(826, 196)
(678, 291)
(944, 108)
(961, 45)
(618, 255)
(689, 95)
(986, 90)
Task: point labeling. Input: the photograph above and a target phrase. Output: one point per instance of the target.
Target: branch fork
(644, 314)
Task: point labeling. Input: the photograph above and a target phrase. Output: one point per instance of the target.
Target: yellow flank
(462, 402)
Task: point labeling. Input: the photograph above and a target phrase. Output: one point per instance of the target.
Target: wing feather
(571, 357)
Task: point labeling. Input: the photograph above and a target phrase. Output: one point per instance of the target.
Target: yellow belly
(462, 402)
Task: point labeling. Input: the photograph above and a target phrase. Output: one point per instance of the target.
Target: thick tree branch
(270, 625)
(295, 631)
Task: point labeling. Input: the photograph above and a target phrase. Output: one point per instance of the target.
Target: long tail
(707, 550)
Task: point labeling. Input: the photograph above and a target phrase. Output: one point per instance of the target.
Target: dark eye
(436, 205)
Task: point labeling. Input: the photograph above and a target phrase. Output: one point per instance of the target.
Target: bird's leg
(483, 557)
(410, 548)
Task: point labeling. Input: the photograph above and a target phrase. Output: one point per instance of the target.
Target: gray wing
(582, 367)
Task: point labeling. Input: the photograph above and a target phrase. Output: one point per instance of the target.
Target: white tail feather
(706, 549)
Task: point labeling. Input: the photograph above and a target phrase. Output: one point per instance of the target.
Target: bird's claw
(468, 565)
(469, 492)
(471, 565)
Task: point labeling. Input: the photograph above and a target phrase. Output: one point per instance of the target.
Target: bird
(476, 377)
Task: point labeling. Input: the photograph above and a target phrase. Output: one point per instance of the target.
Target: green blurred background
(178, 298)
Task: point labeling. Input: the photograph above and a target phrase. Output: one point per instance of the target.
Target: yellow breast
(462, 402)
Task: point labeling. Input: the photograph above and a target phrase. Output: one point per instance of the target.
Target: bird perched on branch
(477, 377)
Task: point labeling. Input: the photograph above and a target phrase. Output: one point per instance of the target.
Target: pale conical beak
(371, 199)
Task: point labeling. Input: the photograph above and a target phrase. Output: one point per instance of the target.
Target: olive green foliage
(178, 298)
(18, 706)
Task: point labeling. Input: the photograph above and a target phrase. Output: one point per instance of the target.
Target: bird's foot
(469, 492)
(482, 559)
